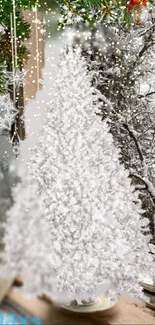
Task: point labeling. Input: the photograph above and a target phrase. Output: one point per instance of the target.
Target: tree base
(106, 304)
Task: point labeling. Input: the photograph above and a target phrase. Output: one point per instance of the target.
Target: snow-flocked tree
(27, 240)
(89, 202)
(93, 214)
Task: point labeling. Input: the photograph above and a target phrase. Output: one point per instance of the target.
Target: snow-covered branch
(148, 184)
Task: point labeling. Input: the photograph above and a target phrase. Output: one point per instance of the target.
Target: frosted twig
(149, 185)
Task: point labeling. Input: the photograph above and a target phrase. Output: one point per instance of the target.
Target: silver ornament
(139, 14)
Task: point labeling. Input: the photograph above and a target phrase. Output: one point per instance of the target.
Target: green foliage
(90, 10)
(93, 11)
(23, 32)
(6, 7)
(48, 4)
(23, 28)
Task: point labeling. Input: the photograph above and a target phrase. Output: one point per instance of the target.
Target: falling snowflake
(78, 19)
(37, 21)
(15, 77)
(42, 31)
(8, 112)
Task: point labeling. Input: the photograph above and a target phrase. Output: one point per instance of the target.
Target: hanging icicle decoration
(15, 138)
(13, 55)
(37, 45)
(37, 22)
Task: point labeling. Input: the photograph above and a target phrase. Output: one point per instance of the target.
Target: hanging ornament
(16, 148)
(132, 3)
(138, 11)
(139, 14)
(15, 77)
(8, 113)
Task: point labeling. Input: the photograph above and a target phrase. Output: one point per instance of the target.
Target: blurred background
(45, 46)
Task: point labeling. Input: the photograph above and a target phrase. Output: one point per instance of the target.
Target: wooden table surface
(128, 310)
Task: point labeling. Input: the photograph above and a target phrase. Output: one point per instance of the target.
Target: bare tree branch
(140, 187)
(148, 94)
(150, 29)
(132, 135)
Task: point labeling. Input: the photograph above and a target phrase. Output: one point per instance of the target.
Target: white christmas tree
(27, 240)
(92, 212)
